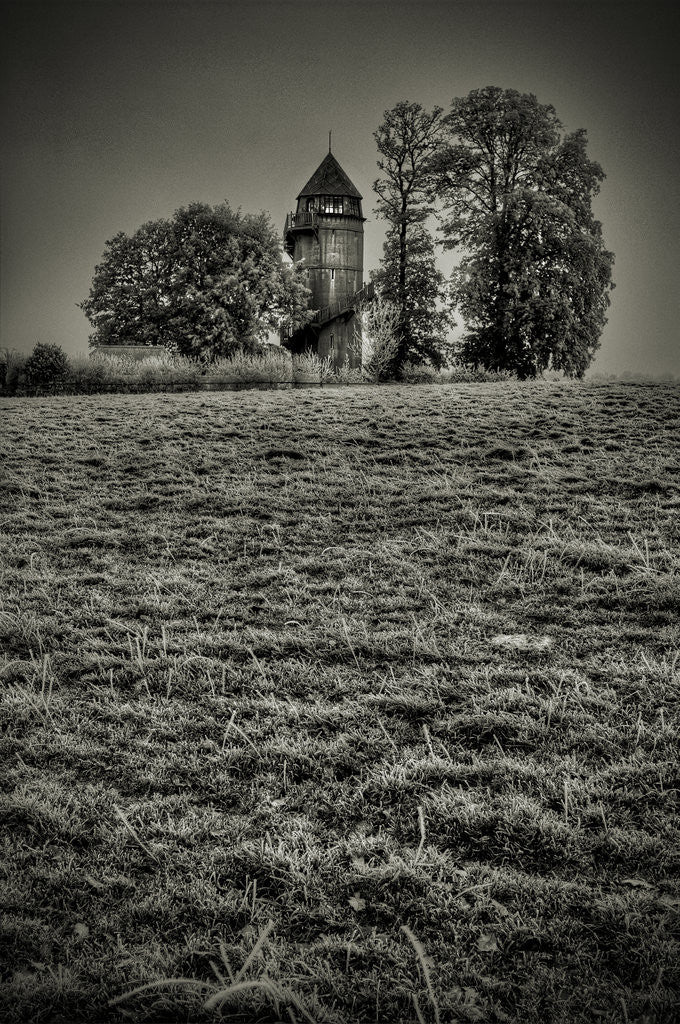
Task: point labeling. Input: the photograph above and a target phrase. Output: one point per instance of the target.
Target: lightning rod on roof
(329, 141)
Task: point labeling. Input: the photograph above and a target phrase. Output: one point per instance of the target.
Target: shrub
(14, 373)
(308, 367)
(464, 374)
(89, 374)
(11, 370)
(376, 337)
(418, 373)
(184, 370)
(45, 365)
(105, 372)
(272, 366)
(7, 359)
(458, 373)
(346, 374)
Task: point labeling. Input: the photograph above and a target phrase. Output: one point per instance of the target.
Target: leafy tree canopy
(425, 318)
(533, 284)
(205, 282)
(407, 140)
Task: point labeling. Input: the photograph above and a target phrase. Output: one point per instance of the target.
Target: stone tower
(325, 237)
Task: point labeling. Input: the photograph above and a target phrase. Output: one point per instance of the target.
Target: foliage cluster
(407, 141)
(89, 374)
(349, 664)
(514, 197)
(116, 374)
(107, 373)
(45, 364)
(513, 194)
(422, 302)
(455, 373)
(206, 282)
(12, 365)
(86, 375)
(534, 285)
(376, 335)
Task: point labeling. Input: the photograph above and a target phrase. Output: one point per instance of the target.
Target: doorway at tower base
(337, 340)
(340, 342)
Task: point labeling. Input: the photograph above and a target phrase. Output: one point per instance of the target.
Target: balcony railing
(306, 219)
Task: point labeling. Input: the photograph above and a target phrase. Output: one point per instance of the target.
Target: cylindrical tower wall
(332, 259)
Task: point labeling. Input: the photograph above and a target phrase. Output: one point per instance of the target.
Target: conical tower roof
(329, 179)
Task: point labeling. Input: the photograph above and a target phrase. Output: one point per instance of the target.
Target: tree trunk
(401, 288)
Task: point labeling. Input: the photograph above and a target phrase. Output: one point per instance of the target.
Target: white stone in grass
(522, 642)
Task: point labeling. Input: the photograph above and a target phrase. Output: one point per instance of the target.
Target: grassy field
(342, 705)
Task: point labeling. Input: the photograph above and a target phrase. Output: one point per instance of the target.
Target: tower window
(332, 204)
(332, 342)
(311, 204)
(332, 275)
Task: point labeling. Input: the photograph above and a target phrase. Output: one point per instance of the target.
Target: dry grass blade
(140, 842)
(421, 824)
(472, 888)
(238, 984)
(262, 938)
(416, 1007)
(275, 992)
(231, 724)
(161, 983)
(422, 958)
(387, 735)
(349, 644)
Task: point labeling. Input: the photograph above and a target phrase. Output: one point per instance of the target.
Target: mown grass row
(344, 706)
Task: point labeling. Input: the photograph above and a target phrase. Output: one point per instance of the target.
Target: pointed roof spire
(329, 140)
(329, 179)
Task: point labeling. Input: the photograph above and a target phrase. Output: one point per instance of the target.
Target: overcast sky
(114, 114)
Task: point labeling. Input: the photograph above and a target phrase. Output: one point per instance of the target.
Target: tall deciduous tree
(533, 284)
(424, 317)
(204, 283)
(407, 140)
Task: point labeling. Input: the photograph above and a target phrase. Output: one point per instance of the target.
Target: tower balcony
(306, 220)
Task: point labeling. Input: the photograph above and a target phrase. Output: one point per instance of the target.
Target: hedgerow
(49, 371)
